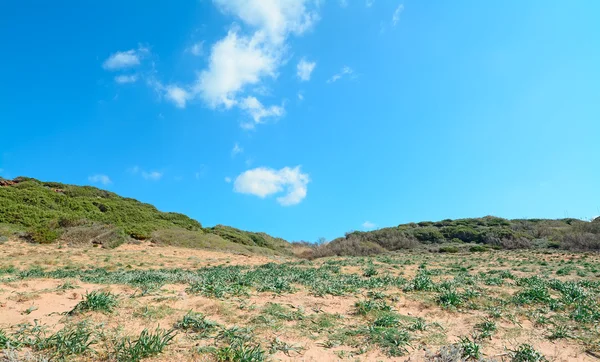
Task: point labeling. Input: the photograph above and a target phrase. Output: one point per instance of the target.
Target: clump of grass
(148, 344)
(419, 325)
(70, 341)
(450, 298)
(363, 307)
(197, 323)
(526, 353)
(277, 345)
(559, 332)
(387, 319)
(393, 341)
(470, 349)
(96, 301)
(240, 352)
(485, 328)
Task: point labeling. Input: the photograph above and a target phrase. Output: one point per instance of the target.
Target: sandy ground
(44, 302)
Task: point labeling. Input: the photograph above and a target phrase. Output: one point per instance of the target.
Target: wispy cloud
(343, 3)
(367, 225)
(304, 69)
(369, 3)
(99, 178)
(263, 182)
(396, 15)
(236, 150)
(228, 180)
(152, 175)
(346, 71)
(252, 106)
(125, 59)
(146, 175)
(196, 49)
(123, 79)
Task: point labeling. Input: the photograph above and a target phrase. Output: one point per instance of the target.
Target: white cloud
(126, 59)
(275, 18)
(177, 95)
(369, 3)
(152, 175)
(263, 182)
(345, 71)
(300, 96)
(196, 49)
(235, 61)
(236, 150)
(228, 180)
(123, 79)
(147, 175)
(246, 57)
(257, 111)
(304, 69)
(367, 225)
(396, 16)
(343, 3)
(102, 179)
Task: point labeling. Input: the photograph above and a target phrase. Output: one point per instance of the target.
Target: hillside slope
(48, 211)
(475, 234)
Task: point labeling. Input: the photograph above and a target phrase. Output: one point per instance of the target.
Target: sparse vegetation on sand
(490, 306)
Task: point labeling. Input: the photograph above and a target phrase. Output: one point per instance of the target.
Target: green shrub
(478, 248)
(449, 249)
(43, 234)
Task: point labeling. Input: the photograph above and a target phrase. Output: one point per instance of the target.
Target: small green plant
(485, 328)
(363, 307)
(559, 332)
(197, 323)
(419, 325)
(241, 352)
(471, 350)
(148, 344)
(75, 340)
(450, 298)
(526, 353)
(389, 319)
(96, 301)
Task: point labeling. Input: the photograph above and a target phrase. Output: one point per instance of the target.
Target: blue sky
(307, 119)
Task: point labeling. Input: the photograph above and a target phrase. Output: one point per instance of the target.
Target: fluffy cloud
(235, 62)
(345, 71)
(367, 225)
(275, 18)
(177, 95)
(263, 182)
(123, 79)
(257, 111)
(249, 55)
(102, 179)
(304, 69)
(396, 16)
(125, 59)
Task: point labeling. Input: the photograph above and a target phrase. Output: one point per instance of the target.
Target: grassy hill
(45, 212)
(475, 234)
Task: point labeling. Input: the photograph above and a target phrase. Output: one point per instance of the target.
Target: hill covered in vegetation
(46, 212)
(475, 234)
